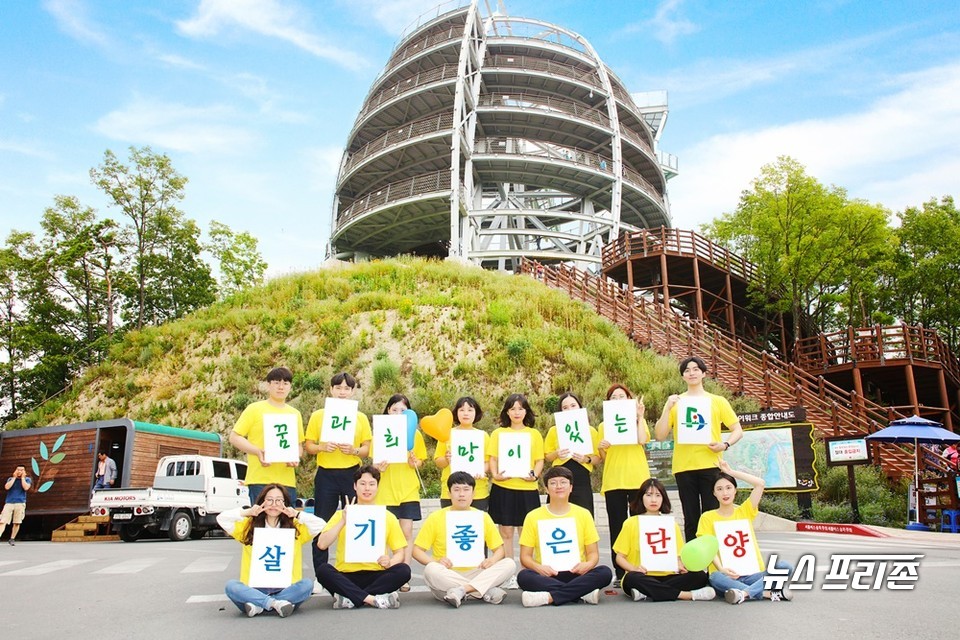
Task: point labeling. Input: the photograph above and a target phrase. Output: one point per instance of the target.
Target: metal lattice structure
(489, 139)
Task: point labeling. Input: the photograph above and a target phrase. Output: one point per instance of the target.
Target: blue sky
(253, 99)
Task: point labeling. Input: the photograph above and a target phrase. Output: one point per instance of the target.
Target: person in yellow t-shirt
(336, 463)
(625, 468)
(511, 498)
(248, 437)
(581, 466)
(660, 586)
(271, 510)
(543, 584)
(694, 465)
(466, 412)
(739, 588)
(455, 585)
(399, 488)
(354, 584)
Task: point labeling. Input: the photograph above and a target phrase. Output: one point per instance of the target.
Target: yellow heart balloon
(438, 425)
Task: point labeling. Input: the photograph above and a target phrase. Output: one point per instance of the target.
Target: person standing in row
(512, 497)
(467, 413)
(399, 488)
(694, 419)
(625, 469)
(580, 465)
(333, 486)
(248, 436)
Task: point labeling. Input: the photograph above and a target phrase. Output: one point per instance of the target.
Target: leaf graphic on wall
(56, 445)
(57, 457)
(45, 486)
(43, 451)
(35, 466)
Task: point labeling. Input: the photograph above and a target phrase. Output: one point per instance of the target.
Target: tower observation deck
(492, 138)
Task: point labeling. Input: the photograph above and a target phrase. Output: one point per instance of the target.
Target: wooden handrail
(747, 371)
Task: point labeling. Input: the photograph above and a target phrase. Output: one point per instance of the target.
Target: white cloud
(174, 60)
(899, 151)
(72, 18)
(323, 165)
(24, 148)
(394, 16)
(266, 17)
(665, 25)
(175, 126)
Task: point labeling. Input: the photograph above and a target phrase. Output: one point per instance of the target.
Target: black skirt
(509, 507)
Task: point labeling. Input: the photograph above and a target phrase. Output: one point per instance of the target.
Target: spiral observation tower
(489, 138)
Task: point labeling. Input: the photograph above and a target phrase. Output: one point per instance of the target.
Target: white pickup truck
(187, 494)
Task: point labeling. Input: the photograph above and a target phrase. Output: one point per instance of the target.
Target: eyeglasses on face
(273, 501)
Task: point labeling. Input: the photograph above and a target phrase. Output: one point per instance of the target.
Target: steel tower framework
(488, 139)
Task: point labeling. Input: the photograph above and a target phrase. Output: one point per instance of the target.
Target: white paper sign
(281, 438)
(366, 532)
(620, 421)
(466, 451)
(339, 421)
(658, 543)
(573, 431)
(693, 421)
(737, 546)
(559, 543)
(465, 543)
(389, 438)
(515, 455)
(271, 558)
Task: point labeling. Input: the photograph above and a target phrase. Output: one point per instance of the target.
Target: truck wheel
(196, 534)
(180, 526)
(130, 532)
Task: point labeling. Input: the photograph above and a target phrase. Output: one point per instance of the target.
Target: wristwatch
(728, 445)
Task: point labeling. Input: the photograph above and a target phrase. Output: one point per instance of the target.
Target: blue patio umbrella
(916, 430)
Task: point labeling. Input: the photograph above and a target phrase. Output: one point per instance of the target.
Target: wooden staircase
(756, 374)
(85, 529)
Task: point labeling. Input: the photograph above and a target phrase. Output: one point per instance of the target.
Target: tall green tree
(169, 278)
(813, 248)
(241, 264)
(922, 282)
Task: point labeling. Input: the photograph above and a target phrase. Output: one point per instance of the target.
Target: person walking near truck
(106, 472)
(15, 505)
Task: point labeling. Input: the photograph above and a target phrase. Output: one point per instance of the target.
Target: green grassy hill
(432, 330)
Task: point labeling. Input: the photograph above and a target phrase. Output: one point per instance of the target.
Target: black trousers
(696, 496)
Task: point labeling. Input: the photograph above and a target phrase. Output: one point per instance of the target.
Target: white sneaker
(781, 595)
(592, 598)
(494, 595)
(455, 596)
(511, 583)
(340, 602)
(637, 596)
(735, 596)
(388, 600)
(318, 589)
(704, 593)
(283, 608)
(252, 609)
(535, 598)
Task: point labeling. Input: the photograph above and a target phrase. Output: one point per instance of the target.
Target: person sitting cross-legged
(354, 584)
(544, 584)
(455, 584)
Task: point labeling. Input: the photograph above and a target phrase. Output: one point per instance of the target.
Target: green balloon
(698, 554)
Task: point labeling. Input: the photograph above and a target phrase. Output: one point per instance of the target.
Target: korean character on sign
(737, 541)
(282, 431)
(559, 542)
(573, 430)
(339, 422)
(657, 541)
(392, 440)
(620, 422)
(469, 450)
(271, 558)
(370, 525)
(464, 536)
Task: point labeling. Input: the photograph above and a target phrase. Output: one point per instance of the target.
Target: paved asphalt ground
(160, 589)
